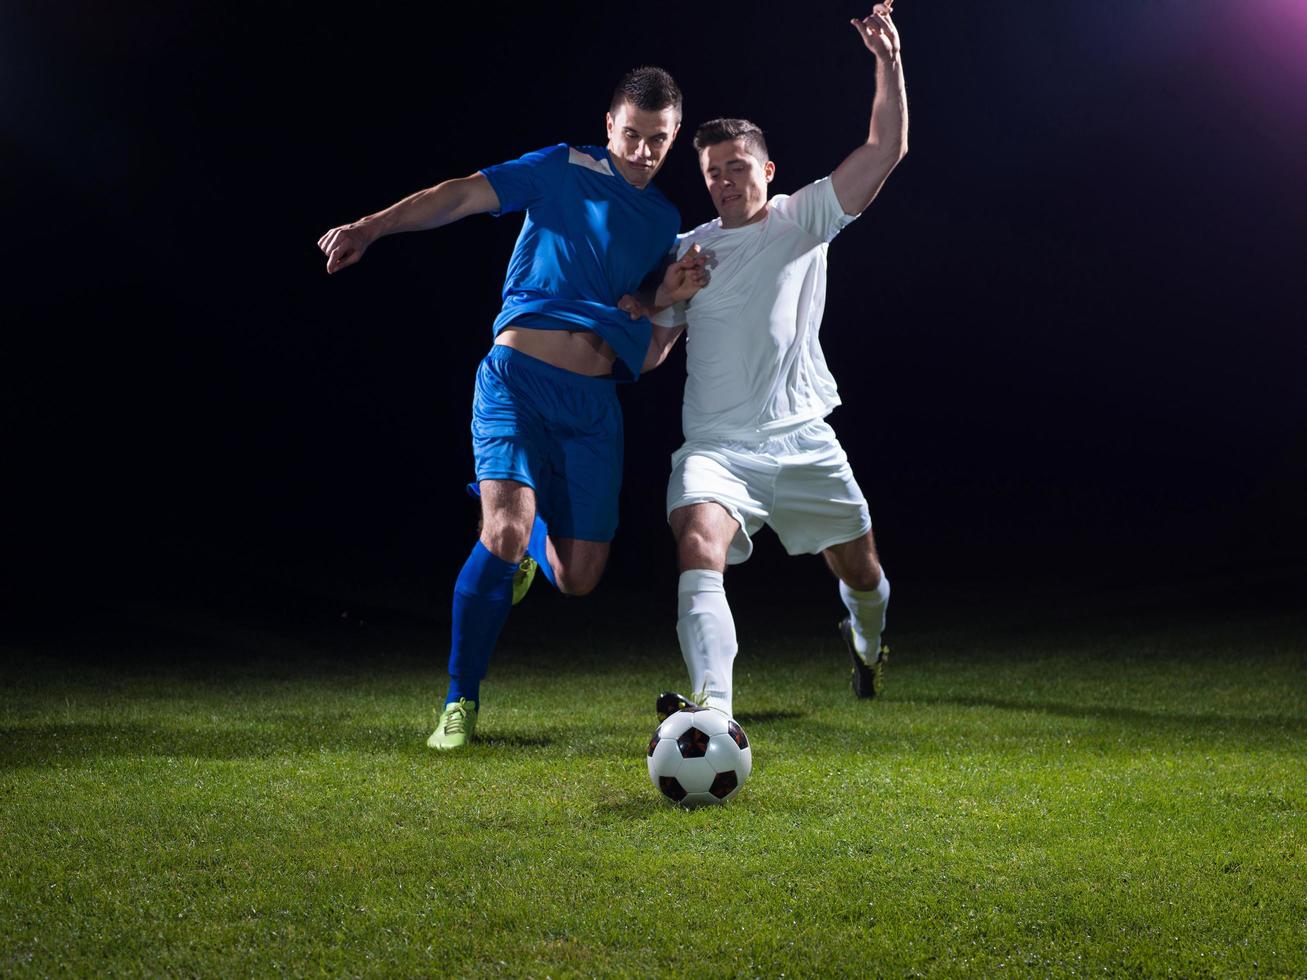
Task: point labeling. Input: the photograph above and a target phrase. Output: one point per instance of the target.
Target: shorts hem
(522, 478)
(690, 499)
(831, 542)
(595, 538)
(734, 554)
(556, 531)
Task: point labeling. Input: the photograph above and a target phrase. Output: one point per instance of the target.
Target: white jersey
(754, 362)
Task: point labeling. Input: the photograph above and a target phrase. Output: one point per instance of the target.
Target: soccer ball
(699, 756)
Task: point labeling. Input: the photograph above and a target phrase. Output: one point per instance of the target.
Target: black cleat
(669, 702)
(868, 679)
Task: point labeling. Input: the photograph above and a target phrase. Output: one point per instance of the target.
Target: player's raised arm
(860, 177)
(442, 204)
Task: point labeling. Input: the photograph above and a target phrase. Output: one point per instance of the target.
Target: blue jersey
(588, 238)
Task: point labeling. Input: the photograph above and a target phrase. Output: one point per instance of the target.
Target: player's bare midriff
(581, 351)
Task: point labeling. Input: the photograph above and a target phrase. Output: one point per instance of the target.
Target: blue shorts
(558, 432)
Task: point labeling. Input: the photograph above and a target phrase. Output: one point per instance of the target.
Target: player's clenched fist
(345, 245)
(684, 277)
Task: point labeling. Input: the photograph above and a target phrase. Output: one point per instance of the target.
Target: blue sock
(483, 595)
(536, 547)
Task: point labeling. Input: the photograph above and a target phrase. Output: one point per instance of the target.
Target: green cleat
(456, 725)
(522, 579)
(868, 678)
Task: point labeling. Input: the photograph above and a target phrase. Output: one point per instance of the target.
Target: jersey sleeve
(673, 316)
(526, 181)
(816, 209)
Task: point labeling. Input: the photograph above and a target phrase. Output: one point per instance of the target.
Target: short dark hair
(716, 131)
(647, 88)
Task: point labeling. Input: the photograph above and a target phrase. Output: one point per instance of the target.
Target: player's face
(737, 182)
(639, 140)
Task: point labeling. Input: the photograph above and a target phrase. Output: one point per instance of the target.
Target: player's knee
(696, 548)
(865, 578)
(578, 582)
(576, 589)
(505, 541)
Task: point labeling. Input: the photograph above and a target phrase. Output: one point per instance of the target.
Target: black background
(1069, 334)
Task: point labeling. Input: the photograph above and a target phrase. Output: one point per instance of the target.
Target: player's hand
(345, 245)
(633, 308)
(878, 32)
(683, 278)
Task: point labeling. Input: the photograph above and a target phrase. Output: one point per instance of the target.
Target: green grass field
(1072, 794)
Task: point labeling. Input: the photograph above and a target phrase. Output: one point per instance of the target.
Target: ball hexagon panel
(723, 753)
(746, 764)
(696, 775)
(671, 726)
(665, 760)
(711, 722)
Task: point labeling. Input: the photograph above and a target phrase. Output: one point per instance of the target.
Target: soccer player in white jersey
(757, 449)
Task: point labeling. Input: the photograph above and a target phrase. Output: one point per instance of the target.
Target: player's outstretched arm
(862, 174)
(440, 205)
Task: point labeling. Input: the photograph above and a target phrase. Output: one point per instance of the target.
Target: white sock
(867, 611)
(706, 630)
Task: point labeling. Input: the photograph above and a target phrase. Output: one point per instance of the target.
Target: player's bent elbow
(888, 153)
(655, 357)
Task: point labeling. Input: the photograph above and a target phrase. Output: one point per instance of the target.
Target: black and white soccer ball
(699, 756)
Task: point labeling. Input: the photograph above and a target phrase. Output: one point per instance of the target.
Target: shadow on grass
(762, 717)
(1201, 723)
(514, 741)
(38, 746)
(629, 807)
(41, 746)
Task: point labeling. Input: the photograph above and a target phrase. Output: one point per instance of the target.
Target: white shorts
(799, 483)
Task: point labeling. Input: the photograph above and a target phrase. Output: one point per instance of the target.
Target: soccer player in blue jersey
(546, 423)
